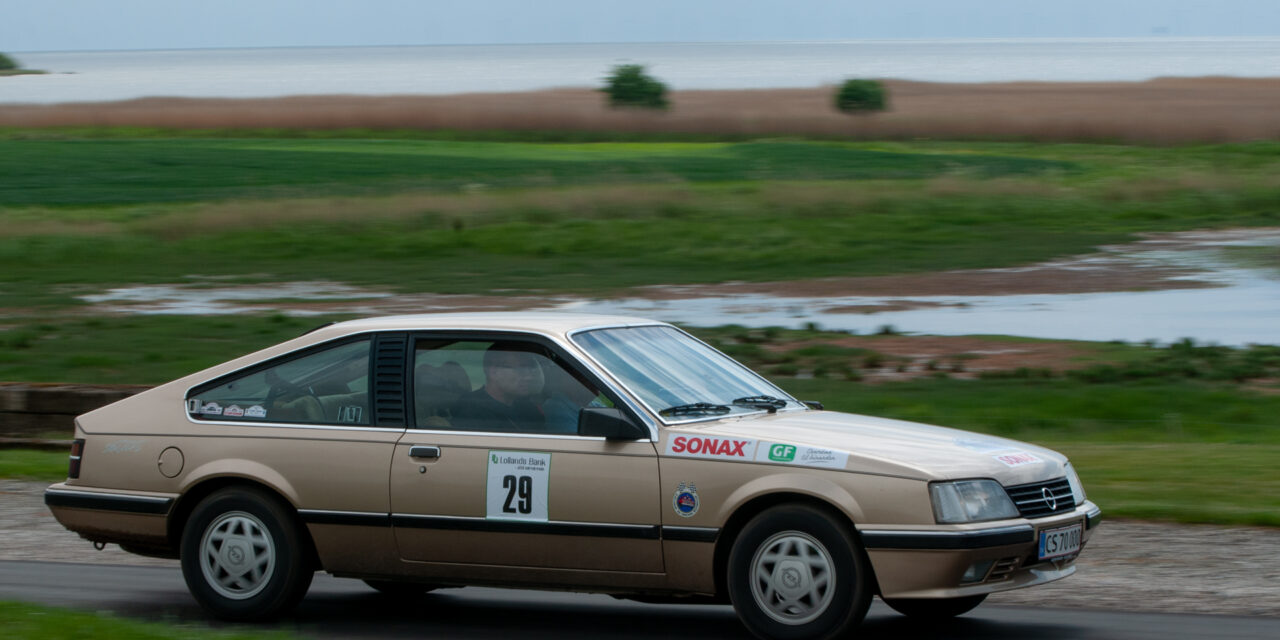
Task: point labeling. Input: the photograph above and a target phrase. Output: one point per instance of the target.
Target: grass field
(32, 622)
(123, 171)
(135, 350)
(467, 217)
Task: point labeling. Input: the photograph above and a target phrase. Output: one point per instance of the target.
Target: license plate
(1064, 541)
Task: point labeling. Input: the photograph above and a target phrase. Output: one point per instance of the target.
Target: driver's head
(512, 371)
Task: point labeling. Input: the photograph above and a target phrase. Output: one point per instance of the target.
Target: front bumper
(931, 563)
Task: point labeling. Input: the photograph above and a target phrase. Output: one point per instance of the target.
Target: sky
(90, 25)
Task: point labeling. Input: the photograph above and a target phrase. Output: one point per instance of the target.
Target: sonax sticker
(705, 447)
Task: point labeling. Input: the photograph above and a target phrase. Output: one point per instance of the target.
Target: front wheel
(934, 609)
(243, 557)
(796, 573)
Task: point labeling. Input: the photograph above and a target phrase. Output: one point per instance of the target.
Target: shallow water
(1247, 311)
(243, 73)
(1243, 307)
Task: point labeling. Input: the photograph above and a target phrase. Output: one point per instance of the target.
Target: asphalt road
(336, 608)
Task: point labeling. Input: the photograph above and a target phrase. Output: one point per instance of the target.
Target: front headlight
(970, 501)
(1077, 489)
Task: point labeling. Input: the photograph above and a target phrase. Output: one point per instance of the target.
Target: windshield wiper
(768, 403)
(696, 408)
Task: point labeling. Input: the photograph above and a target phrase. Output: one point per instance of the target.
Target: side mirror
(608, 423)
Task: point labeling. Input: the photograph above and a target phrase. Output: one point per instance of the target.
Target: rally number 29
(520, 492)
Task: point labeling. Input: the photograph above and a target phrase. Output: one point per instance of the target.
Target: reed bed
(1160, 111)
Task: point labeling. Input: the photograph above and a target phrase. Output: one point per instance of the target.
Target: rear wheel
(243, 557)
(795, 572)
(934, 609)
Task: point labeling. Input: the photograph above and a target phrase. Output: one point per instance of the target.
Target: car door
(478, 483)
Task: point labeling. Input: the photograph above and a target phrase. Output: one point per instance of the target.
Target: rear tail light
(77, 453)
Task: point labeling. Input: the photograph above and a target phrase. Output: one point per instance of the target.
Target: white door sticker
(517, 485)
(802, 455)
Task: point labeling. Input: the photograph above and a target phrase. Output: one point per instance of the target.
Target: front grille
(1003, 568)
(1031, 498)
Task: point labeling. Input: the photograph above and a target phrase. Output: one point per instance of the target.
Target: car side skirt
(455, 523)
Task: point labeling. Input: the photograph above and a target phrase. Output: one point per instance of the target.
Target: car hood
(834, 440)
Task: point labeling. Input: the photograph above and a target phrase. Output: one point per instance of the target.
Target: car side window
(329, 387)
(498, 385)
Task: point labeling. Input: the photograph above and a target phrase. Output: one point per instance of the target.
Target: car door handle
(419, 451)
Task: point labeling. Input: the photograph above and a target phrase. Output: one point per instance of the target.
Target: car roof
(545, 322)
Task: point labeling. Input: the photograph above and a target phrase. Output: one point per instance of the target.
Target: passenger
(508, 401)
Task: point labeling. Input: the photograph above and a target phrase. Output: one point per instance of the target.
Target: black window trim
(564, 356)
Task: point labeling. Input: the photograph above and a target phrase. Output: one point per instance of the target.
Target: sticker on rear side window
(517, 485)
(233, 411)
(256, 411)
(211, 409)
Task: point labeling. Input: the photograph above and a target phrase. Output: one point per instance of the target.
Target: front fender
(813, 485)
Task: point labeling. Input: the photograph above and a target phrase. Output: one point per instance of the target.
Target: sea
(81, 76)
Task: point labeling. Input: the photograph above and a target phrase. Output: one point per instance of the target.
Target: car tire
(796, 572)
(243, 556)
(400, 589)
(926, 610)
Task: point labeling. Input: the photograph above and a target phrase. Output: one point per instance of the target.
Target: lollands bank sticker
(517, 485)
(685, 501)
(233, 411)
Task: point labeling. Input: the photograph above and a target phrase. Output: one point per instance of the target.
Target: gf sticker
(802, 455)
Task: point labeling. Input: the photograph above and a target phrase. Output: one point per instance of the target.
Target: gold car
(589, 453)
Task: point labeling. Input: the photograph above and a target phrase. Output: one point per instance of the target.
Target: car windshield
(679, 377)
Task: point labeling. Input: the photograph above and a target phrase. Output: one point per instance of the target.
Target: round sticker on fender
(517, 485)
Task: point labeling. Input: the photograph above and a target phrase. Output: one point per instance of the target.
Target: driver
(508, 401)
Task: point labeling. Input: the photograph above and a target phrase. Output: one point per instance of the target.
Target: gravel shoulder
(1127, 565)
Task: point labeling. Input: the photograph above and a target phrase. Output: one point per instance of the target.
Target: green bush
(861, 96)
(7, 63)
(630, 86)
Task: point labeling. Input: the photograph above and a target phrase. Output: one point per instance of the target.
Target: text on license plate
(1064, 541)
